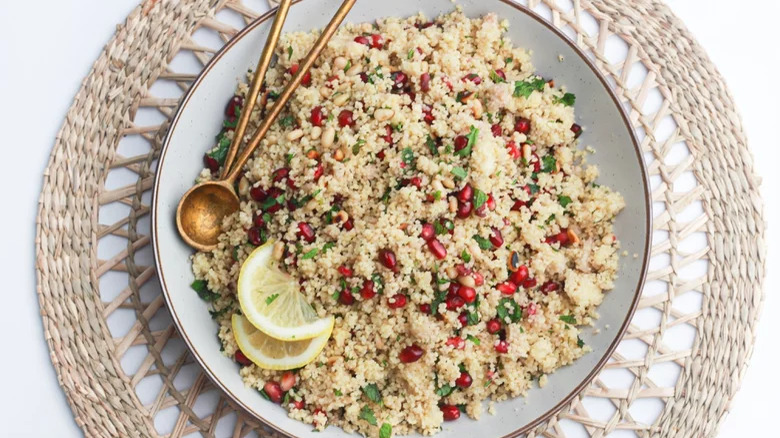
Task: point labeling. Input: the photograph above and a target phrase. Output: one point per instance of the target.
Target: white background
(48, 46)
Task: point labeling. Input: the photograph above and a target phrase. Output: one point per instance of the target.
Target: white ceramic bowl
(198, 121)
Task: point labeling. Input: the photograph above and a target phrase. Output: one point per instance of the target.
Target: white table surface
(48, 46)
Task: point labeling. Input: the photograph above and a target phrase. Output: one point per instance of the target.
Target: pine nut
(467, 280)
(453, 204)
(342, 216)
(573, 238)
(316, 132)
(341, 99)
(448, 183)
(312, 154)
(325, 91)
(243, 186)
(476, 109)
(526, 150)
(383, 114)
(452, 272)
(338, 155)
(278, 251)
(328, 135)
(339, 63)
(295, 134)
(355, 69)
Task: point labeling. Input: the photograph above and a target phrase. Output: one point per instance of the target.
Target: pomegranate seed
(346, 298)
(530, 309)
(210, 163)
(345, 271)
(318, 171)
(287, 381)
(234, 104)
(456, 342)
(317, 116)
(291, 205)
(428, 232)
(280, 174)
(425, 308)
(399, 80)
(518, 205)
(464, 381)
(377, 41)
(496, 130)
(500, 73)
(388, 135)
(513, 150)
(463, 319)
(519, 276)
(466, 194)
(501, 347)
(428, 115)
(306, 231)
(306, 81)
(438, 250)
(254, 236)
(507, 288)
(367, 291)
(496, 238)
(482, 211)
(549, 286)
(462, 270)
(464, 210)
(410, 354)
(297, 404)
(493, 326)
(363, 77)
(468, 294)
(398, 301)
(461, 142)
(523, 125)
(388, 260)
(576, 129)
(423, 25)
(348, 224)
(473, 77)
(362, 40)
(452, 290)
(529, 283)
(536, 162)
(346, 118)
(258, 221)
(416, 181)
(454, 303)
(412, 95)
(242, 359)
(274, 192)
(450, 412)
(291, 184)
(479, 279)
(273, 391)
(258, 194)
(491, 202)
(425, 82)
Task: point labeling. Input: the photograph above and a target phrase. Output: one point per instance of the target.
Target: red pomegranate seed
(377, 41)
(346, 298)
(519, 276)
(399, 79)
(518, 205)
(273, 390)
(464, 381)
(258, 194)
(388, 137)
(452, 290)
(450, 412)
(428, 232)
(496, 238)
(367, 291)
(210, 163)
(363, 77)
(549, 286)
(468, 294)
(454, 303)
(306, 232)
(501, 347)
(493, 326)
(507, 288)
(346, 118)
(576, 129)
(280, 174)
(388, 260)
(425, 308)
(287, 381)
(317, 116)
(318, 171)
(513, 150)
(297, 404)
(530, 309)
(242, 359)
(410, 354)
(422, 26)
(274, 192)
(523, 125)
(529, 283)
(496, 130)
(463, 319)
(416, 181)
(345, 271)
(462, 270)
(479, 279)
(425, 82)
(258, 221)
(293, 69)
(466, 194)
(473, 77)
(437, 248)
(348, 224)
(461, 142)
(306, 81)
(456, 342)
(500, 73)
(360, 39)
(428, 115)
(464, 210)
(482, 211)
(291, 184)
(234, 105)
(255, 236)
(398, 301)
(491, 202)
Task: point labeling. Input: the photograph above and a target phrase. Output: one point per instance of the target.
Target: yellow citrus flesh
(273, 354)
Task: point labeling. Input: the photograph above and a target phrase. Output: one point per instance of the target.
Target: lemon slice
(273, 354)
(270, 299)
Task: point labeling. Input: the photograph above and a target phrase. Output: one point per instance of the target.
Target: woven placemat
(118, 356)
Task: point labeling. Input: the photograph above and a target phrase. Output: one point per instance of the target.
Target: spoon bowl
(201, 211)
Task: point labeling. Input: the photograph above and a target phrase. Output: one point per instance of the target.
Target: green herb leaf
(437, 195)
(440, 297)
(548, 164)
(528, 86)
(379, 284)
(567, 99)
(483, 243)
(200, 286)
(336, 295)
(534, 188)
(287, 121)
(348, 66)
(221, 151)
(472, 318)
(372, 392)
(310, 254)
(459, 172)
(507, 307)
(564, 200)
(216, 314)
(432, 146)
(288, 158)
(271, 299)
(508, 60)
(410, 55)
(234, 253)
(472, 136)
(328, 246)
(407, 156)
(479, 198)
(368, 414)
(386, 431)
(465, 256)
(337, 393)
(289, 52)
(496, 78)
(356, 147)
(473, 339)
(568, 319)
(580, 342)
(398, 127)
(444, 390)
(264, 394)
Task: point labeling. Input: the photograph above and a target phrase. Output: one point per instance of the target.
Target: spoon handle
(257, 83)
(288, 91)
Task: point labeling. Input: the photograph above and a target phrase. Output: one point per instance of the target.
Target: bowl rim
(647, 225)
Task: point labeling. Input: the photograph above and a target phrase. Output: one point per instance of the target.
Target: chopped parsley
(270, 202)
(328, 246)
(508, 60)
(221, 151)
(472, 136)
(204, 293)
(440, 297)
(356, 147)
(372, 392)
(444, 390)
(437, 195)
(473, 339)
(528, 86)
(496, 78)
(288, 158)
(407, 156)
(348, 66)
(568, 319)
(534, 188)
(287, 121)
(580, 342)
(459, 172)
(508, 308)
(310, 254)
(479, 198)
(564, 200)
(465, 256)
(548, 164)
(482, 242)
(439, 228)
(337, 392)
(271, 299)
(216, 314)
(567, 99)
(410, 55)
(289, 52)
(472, 318)
(398, 127)
(368, 414)
(386, 431)
(432, 146)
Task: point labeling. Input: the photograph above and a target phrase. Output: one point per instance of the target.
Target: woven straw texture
(125, 371)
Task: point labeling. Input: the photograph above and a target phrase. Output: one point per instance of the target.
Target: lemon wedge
(271, 301)
(273, 354)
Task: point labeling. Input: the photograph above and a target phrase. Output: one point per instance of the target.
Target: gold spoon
(201, 210)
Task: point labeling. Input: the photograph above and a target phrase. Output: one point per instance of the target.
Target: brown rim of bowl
(645, 257)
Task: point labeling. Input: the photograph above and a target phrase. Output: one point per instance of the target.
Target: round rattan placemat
(118, 356)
